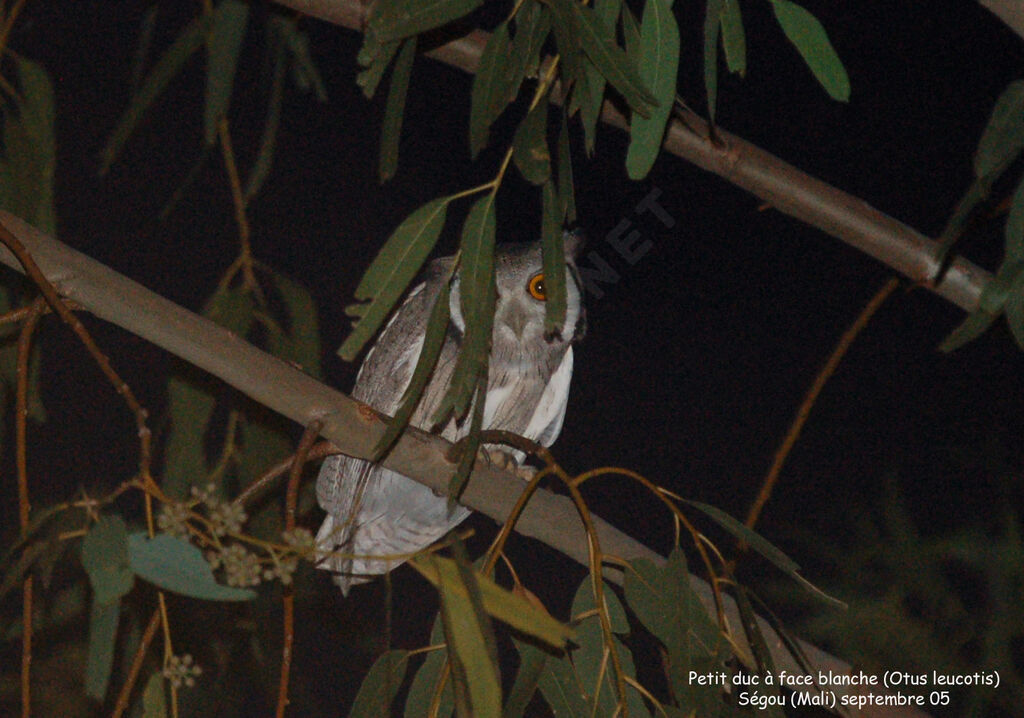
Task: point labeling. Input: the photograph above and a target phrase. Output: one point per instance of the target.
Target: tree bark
(352, 426)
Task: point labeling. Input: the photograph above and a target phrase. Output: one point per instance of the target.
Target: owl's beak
(517, 323)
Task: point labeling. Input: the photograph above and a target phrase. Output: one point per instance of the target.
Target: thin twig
(24, 508)
(812, 396)
(275, 472)
(291, 500)
(133, 672)
(57, 304)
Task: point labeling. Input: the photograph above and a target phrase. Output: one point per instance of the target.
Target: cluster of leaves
(1000, 146)
(590, 64)
(593, 674)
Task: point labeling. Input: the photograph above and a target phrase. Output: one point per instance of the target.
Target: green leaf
(230, 20)
(190, 406)
(489, 94)
(659, 64)
(530, 145)
(532, 664)
(178, 566)
(154, 700)
(533, 24)
(499, 602)
(1003, 137)
(402, 18)
(28, 149)
(758, 646)
(553, 254)
(470, 642)
(811, 41)
(712, 22)
(470, 446)
(1015, 226)
(268, 139)
(589, 658)
(103, 620)
(666, 604)
(566, 194)
(1014, 308)
(375, 57)
(169, 65)
(560, 687)
(304, 69)
(968, 330)
(607, 12)
(425, 682)
(630, 32)
(380, 686)
(477, 294)
(300, 345)
(612, 61)
(734, 40)
(391, 128)
(105, 559)
(395, 266)
(433, 342)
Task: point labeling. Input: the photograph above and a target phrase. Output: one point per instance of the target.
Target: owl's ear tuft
(573, 241)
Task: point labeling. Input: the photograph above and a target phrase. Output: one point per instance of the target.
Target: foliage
(196, 538)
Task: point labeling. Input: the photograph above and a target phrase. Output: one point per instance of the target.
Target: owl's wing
(382, 380)
(546, 423)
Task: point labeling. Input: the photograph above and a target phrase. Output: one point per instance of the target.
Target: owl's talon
(506, 461)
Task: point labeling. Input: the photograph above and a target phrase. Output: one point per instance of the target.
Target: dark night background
(695, 362)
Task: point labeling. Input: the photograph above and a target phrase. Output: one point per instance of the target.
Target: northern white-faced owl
(527, 389)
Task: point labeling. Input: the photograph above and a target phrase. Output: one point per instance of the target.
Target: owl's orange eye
(536, 287)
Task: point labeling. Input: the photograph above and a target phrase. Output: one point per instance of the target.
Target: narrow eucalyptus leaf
(272, 122)
(659, 64)
(712, 23)
(486, 98)
(561, 689)
(190, 405)
(301, 343)
(375, 57)
(530, 145)
(477, 295)
(533, 23)
(166, 69)
(379, 687)
(566, 192)
(753, 539)
(590, 111)
(499, 602)
(553, 253)
(1003, 137)
(391, 128)
(612, 61)
(412, 17)
(968, 330)
(532, 663)
(396, 264)
(433, 342)
(103, 620)
(734, 40)
(811, 41)
(468, 632)
(176, 565)
(427, 681)
(1015, 225)
(230, 20)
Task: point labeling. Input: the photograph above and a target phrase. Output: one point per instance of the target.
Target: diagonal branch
(778, 183)
(352, 426)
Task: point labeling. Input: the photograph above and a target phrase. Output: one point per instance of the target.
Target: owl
(527, 389)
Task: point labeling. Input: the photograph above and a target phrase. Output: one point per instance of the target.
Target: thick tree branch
(776, 182)
(352, 426)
